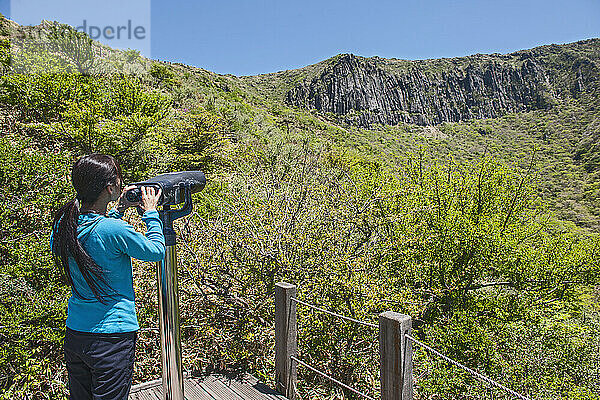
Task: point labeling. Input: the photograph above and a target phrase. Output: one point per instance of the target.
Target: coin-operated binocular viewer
(177, 188)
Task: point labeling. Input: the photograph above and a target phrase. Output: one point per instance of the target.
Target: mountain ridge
(364, 91)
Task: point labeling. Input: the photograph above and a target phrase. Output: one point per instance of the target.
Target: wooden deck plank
(211, 387)
(193, 391)
(144, 395)
(216, 386)
(155, 393)
(158, 392)
(146, 391)
(261, 387)
(233, 385)
(147, 394)
(248, 387)
(137, 396)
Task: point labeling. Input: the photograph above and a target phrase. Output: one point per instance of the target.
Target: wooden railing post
(286, 334)
(395, 352)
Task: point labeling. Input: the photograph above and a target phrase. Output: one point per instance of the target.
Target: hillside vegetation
(485, 231)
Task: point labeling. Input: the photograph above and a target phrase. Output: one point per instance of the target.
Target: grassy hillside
(485, 231)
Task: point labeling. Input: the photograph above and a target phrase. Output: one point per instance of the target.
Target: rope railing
(395, 350)
(465, 368)
(324, 375)
(335, 314)
(294, 299)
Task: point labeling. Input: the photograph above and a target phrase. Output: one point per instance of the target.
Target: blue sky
(251, 37)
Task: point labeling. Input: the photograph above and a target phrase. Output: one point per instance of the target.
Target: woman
(94, 248)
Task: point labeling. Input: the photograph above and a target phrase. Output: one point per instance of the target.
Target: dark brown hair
(90, 176)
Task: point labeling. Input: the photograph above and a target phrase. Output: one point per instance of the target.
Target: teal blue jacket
(111, 242)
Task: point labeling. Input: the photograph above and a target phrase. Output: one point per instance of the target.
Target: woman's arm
(114, 213)
(150, 247)
(122, 237)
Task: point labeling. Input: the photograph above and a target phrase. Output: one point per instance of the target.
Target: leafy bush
(33, 182)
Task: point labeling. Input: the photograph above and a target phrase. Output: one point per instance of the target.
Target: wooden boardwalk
(211, 387)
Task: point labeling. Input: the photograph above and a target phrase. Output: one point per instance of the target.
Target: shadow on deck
(211, 387)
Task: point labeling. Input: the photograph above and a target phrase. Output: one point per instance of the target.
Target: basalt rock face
(363, 91)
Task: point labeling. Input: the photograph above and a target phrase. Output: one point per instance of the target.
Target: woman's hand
(150, 197)
(123, 204)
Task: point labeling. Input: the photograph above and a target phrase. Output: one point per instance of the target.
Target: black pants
(100, 366)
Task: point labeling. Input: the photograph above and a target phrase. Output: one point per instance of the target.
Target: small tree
(195, 141)
(75, 46)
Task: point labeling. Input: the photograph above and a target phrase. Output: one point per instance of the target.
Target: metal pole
(168, 309)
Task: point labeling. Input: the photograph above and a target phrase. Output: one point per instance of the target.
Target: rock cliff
(365, 91)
